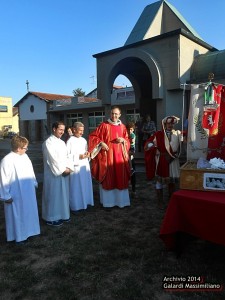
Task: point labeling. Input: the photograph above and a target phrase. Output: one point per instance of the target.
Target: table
(197, 213)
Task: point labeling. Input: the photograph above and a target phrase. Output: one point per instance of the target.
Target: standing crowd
(70, 163)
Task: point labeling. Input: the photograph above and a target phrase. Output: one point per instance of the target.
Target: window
(72, 118)
(132, 115)
(125, 94)
(32, 108)
(3, 108)
(94, 119)
(121, 95)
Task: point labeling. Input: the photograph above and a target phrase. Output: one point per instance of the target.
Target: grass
(105, 254)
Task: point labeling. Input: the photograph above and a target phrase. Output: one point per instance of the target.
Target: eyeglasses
(25, 148)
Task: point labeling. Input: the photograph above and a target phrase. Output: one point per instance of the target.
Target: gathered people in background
(162, 152)
(17, 190)
(109, 146)
(148, 128)
(139, 126)
(132, 136)
(57, 167)
(130, 130)
(80, 187)
(67, 133)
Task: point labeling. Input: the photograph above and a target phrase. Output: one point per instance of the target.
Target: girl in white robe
(17, 190)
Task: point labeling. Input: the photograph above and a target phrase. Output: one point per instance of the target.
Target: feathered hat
(170, 120)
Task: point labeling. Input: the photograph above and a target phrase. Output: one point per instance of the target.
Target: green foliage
(78, 92)
(198, 123)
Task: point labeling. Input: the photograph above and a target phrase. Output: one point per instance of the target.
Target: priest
(109, 146)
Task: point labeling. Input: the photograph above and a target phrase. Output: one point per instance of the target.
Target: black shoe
(55, 223)
(66, 220)
(21, 243)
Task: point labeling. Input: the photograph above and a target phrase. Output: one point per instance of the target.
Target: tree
(78, 92)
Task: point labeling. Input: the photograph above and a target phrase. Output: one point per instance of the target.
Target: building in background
(35, 116)
(162, 54)
(9, 121)
(38, 111)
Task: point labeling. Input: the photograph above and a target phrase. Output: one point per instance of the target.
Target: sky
(51, 43)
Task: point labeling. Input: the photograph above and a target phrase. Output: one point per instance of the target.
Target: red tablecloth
(198, 213)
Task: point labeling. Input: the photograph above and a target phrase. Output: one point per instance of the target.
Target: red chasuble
(110, 168)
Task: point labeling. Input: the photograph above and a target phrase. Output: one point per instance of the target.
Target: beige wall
(168, 60)
(6, 118)
(15, 123)
(188, 51)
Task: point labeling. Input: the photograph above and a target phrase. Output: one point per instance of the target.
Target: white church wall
(32, 108)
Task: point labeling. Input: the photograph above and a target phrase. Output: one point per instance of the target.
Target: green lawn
(105, 254)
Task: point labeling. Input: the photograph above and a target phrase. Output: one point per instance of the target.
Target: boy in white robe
(57, 167)
(17, 190)
(80, 187)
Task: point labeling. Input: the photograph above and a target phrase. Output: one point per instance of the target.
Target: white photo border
(209, 178)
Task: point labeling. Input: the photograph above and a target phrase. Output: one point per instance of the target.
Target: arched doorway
(142, 71)
(140, 77)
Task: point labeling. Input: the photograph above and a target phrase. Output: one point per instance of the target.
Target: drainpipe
(178, 57)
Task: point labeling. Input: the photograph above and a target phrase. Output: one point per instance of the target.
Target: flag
(203, 139)
(211, 110)
(197, 140)
(216, 143)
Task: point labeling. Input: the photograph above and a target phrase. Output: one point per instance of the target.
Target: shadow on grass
(105, 254)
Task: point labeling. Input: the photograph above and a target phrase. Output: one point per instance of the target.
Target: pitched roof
(47, 96)
(44, 96)
(156, 19)
(176, 32)
(117, 87)
(15, 111)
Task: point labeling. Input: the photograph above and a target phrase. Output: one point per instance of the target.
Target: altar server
(57, 167)
(17, 190)
(80, 190)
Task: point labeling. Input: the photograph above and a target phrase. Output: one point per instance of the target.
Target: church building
(161, 57)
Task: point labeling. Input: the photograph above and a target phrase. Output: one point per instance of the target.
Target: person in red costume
(109, 147)
(162, 152)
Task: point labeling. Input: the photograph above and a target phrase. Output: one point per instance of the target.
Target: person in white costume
(57, 167)
(80, 187)
(17, 190)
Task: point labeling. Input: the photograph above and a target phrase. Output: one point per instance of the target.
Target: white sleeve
(6, 170)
